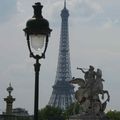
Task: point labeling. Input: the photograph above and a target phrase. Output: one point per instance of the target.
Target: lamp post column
(36, 95)
(37, 32)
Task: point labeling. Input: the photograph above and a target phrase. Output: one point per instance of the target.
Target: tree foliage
(113, 115)
(74, 108)
(51, 113)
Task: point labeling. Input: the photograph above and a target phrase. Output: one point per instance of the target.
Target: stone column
(9, 101)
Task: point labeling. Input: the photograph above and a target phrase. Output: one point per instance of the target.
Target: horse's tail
(105, 103)
(104, 106)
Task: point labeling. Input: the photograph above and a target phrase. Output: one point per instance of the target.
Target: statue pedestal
(88, 116)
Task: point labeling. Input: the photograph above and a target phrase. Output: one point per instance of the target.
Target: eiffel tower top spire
(64, 3)
(65, 11)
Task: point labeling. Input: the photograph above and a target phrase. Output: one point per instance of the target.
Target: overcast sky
(94, 34)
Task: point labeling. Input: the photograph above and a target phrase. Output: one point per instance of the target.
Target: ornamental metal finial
(37, 10)
(10, 89)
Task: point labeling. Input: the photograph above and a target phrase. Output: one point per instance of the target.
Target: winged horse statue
(89, 90)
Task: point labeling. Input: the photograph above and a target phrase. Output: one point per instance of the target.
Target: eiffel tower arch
(63, 92)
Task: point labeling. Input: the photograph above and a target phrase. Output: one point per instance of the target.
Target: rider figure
(89, 76)
(99, 75)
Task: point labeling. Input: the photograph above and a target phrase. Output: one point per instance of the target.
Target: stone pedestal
(9, 103)
(88, 116)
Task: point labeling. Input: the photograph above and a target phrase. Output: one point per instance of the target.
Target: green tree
(113, 115)
(74, 108)
(51, 113)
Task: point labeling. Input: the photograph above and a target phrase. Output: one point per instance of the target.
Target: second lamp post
(37, 32)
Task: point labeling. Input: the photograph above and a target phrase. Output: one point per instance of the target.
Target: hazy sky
(94, 33)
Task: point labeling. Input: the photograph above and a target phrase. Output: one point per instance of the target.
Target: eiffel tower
(63, 92)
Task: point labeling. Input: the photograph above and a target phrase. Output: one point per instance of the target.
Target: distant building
(20, 112)
(17, 114)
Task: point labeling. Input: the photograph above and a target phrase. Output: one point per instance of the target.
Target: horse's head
(78, 81)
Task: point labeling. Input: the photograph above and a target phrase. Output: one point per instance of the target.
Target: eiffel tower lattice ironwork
(63, 92)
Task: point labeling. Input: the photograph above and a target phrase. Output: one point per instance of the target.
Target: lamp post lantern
(37, 32)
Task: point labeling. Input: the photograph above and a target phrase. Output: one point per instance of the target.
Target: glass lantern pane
(37, 41)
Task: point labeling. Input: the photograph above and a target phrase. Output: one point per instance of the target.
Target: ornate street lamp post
(37, 32)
